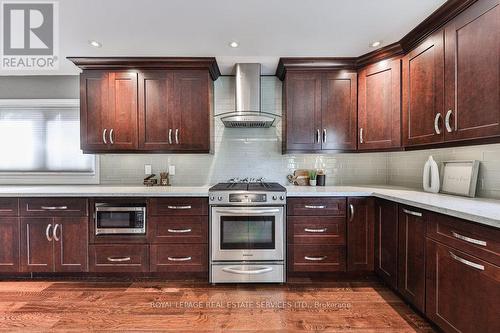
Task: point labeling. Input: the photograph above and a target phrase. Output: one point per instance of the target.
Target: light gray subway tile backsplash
(257, 153)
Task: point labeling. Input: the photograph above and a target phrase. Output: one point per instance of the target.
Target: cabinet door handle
(315, 258)
(467, 262)
(54, 233)
(410, 212)
(104, 136)
(111, 140)
(47, 232)
(324, 135)
(179, 258)
(179, 230)
(436, 123)
(361, 135)
(315, 207)
(315, 230)
(118, 259)
(317, 135)
(468, 239)
(170, 136)
(177, 136)
(54, 207)
(351, 210)
(179, 207)
(447, 121)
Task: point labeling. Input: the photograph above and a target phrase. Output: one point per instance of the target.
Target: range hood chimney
(248, 113)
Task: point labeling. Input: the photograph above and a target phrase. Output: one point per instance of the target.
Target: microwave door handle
(248, 211)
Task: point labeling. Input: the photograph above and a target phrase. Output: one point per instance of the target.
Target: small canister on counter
(320, 179)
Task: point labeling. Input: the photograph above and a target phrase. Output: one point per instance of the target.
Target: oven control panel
(247, 198)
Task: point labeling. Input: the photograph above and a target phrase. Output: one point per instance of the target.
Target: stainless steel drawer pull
(315, 230)
(247, 272)
(179, 258)
(179, 207)
(118, 259)
(315, 207)
(170, 136)
(317, 136)
(104, 136)
(6, 210)
(436, 123)
(54, 207)
(351, 210)
(315, 258)
(179, 230)
(467, 262)
(111, 139)
(410, 212)
(177, 136)
(47, 232)
(468, 239)
(54, 233)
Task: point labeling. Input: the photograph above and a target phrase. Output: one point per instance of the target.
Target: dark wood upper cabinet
(423, 92)
(360, 234)
(386, 241)
(302, 103)
(146, 104)
(379, 106)
(339, 111)
(411, 253)
(472, 73)
(320, 111)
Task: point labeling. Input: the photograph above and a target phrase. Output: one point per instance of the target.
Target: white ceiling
(265, 29)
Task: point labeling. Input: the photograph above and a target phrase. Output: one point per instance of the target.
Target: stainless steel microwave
(116, 219)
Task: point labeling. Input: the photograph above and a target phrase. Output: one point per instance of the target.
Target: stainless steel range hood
(248, 113)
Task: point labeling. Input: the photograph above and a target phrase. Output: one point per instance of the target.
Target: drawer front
(316, 206)
(477, 240)
(9, 207)
(118, 258)
(179, 229)
(179, 206)
(316, 230)
(179, 257)
(50, 207)
(317, 258)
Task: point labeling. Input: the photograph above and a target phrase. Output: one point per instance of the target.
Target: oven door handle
(248, 211)
(250, 272)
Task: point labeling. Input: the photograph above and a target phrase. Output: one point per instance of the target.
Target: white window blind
(42, 137)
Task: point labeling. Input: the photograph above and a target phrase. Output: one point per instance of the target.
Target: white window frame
(39, 178)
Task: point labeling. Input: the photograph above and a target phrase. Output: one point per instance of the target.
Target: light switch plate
(147, 169)
(171, 170)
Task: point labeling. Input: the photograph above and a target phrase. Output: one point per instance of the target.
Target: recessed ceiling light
(375, 43)
(234, 44)
(94, 43)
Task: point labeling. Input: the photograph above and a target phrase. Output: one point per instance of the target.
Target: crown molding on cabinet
(209, 63)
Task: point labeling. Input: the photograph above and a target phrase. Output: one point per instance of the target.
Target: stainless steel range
(247, 232)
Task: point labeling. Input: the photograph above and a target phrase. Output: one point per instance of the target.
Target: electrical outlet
(171, 170)
(147, 169)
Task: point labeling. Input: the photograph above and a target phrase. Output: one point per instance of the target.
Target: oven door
(247, 233)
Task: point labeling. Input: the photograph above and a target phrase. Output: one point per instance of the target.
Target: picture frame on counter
(459, 177)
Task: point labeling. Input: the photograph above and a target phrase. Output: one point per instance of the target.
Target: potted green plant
(312, 177)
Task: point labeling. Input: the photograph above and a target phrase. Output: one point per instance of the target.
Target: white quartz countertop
(484, 211)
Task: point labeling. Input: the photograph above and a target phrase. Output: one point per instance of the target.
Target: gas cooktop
(247, 192)
(250, 186)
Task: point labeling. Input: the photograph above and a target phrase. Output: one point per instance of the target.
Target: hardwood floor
(147, 305)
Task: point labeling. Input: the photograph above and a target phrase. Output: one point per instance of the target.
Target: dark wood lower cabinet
(386, 241)
(179, 258)
(71, 244)
(119, 258)
(462, 292)
(37, 250)
(316, 258)
(411, 253)
(360, 234)
(9, 243)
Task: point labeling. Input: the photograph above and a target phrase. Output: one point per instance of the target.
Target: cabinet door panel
(360, 234)
(155, 110)
(462, 293)
(423, 92)
(37, 245)
(70, 244)
(302, 94)
(123, 110)
(9, 244)
(411, 267)
(192, 113)
(473, 72)
(339, 111)
(386, 241)
(379, 106)
(94, 99)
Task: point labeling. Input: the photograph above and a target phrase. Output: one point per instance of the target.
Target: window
(40, 143)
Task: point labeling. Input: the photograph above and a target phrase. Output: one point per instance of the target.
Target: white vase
(312, 182)
(431, 176)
